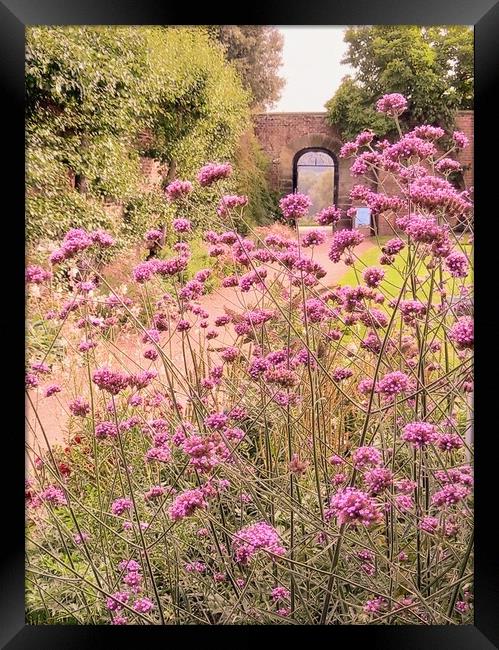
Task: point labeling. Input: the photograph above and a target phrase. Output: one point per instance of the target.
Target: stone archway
(287, 156)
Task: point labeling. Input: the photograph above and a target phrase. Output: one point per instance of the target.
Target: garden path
(51, 413)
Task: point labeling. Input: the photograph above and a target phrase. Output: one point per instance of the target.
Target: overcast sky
(311, 67)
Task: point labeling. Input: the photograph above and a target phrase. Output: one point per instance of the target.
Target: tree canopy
(431, 66)
(256, 52)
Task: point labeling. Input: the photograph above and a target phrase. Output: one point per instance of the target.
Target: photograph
(249, 326)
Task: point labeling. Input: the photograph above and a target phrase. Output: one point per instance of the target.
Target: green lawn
(394, 273)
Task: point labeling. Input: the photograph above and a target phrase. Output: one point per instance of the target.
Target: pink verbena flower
(154, 493)
(294, 206)
(313, 238)
(393, 246)
(230, 354)
(229, 202)
(36, 275)
(187, 503)
(102, 238)
(116, 601)
(119, 506)
(429, 524)
(449, 441)
(392, 104)
(366, 456)
(280, 593)
(344, 240)
(462, 333)
(181, 225)
(353, 506)
(328, 216)
(376, 605)
(460, 140)
(378, 479)
(144, 271)
(154, 235)
(450, 494)
(448, 165)
(52, 389)
(110, 380)
(106, 430)
(339, 374)
(457, 264)
(143, 605)
(419, 434)
(53, 494)
(178, 189)
(393, 383)
(213, 172)
(373, 276)
(250, 539)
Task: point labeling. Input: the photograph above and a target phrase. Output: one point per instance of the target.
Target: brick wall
(465, 122)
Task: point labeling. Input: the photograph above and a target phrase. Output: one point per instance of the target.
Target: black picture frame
(484, 15)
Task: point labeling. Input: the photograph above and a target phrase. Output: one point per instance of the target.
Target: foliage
(99, 97)
(198, 108)
(432, 67)
(256, 53)
(252, 166)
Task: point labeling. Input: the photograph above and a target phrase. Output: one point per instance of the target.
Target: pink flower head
(213, 172)
(313, 238)
(393, 104)
(36, 275)
(294, 206)
(154, 235)
(419, 434)
(102, 238)
(52, 389)
(457, 264)
(373, 276)
(462, 333)
(229, 202)
(280, 593)
(342, 241)
(109, 380)
(353, 506)
(119, 506)
(328, 216)
(393, 383)
(460, 140)
(378, 479)
(178, 189)
(143, 605)
(117, 600)
(187, 503)
(366, 457)
(181, 225)
(450, 494)
(53, 494)
(260, 536)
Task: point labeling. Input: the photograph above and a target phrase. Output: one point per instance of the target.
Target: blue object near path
(363, 217)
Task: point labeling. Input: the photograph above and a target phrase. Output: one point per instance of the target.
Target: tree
(432, 67)
(90, 92)
(256, 52)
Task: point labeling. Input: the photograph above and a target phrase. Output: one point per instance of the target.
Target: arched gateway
(296, 143)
